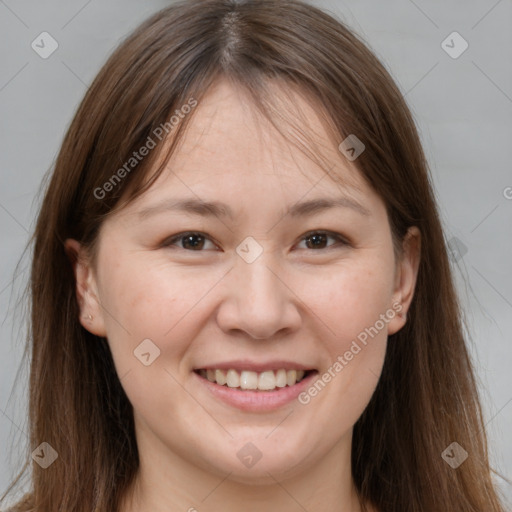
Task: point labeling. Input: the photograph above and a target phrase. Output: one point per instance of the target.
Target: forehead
(231, 152)
(229, 136)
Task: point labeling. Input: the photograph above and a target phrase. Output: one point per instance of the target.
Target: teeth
(267, 381)
(220, 377)
(263, 381)
(249, 380)
(233, 379)
(291, 377)
(281, 378)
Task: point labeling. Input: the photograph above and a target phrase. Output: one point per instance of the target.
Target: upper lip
(245, 364)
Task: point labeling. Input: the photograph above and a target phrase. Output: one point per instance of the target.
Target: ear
(406, 273)
(91, 313)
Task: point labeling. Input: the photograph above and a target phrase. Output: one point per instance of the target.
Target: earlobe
(406, 277)
(90, 316)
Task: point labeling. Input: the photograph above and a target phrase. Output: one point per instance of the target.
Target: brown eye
(318, 240)
(195, 241)
(189, 241)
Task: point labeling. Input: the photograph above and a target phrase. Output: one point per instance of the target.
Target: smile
(254, 391)
(267, 380)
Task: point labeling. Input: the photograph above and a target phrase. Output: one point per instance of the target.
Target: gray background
(463, 107)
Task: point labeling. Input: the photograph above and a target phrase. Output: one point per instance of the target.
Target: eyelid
(341, 240)
(170, 241)
(338, 236)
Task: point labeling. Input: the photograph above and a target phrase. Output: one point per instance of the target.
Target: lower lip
(257, 401)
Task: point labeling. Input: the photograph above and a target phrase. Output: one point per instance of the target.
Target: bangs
(273, 104)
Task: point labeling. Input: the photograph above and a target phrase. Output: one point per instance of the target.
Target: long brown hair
(426, 397)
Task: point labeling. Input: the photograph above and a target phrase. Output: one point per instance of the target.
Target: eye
(194, 240)
(317, 239)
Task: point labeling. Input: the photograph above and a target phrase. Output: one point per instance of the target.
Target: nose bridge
(257, 278)
(258, 302)
(254, 259)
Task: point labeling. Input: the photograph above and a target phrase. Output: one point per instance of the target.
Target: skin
(294, 302)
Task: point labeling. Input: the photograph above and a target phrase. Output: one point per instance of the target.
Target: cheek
(355, 341)
(348, 300)
(148, 299)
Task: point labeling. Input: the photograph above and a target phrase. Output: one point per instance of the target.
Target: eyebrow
(222, 210)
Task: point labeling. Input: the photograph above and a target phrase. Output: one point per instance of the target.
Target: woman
(197, 342)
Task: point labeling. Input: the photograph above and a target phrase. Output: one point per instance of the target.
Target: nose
(258, 300)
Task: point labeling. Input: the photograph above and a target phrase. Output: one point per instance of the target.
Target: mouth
(255, 391)
(246, 380)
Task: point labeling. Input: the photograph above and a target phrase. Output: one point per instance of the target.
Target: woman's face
(265, 289)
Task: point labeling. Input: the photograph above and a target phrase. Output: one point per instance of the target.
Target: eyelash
(169, 242)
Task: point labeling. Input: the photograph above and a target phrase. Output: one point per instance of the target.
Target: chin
(260, 462)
